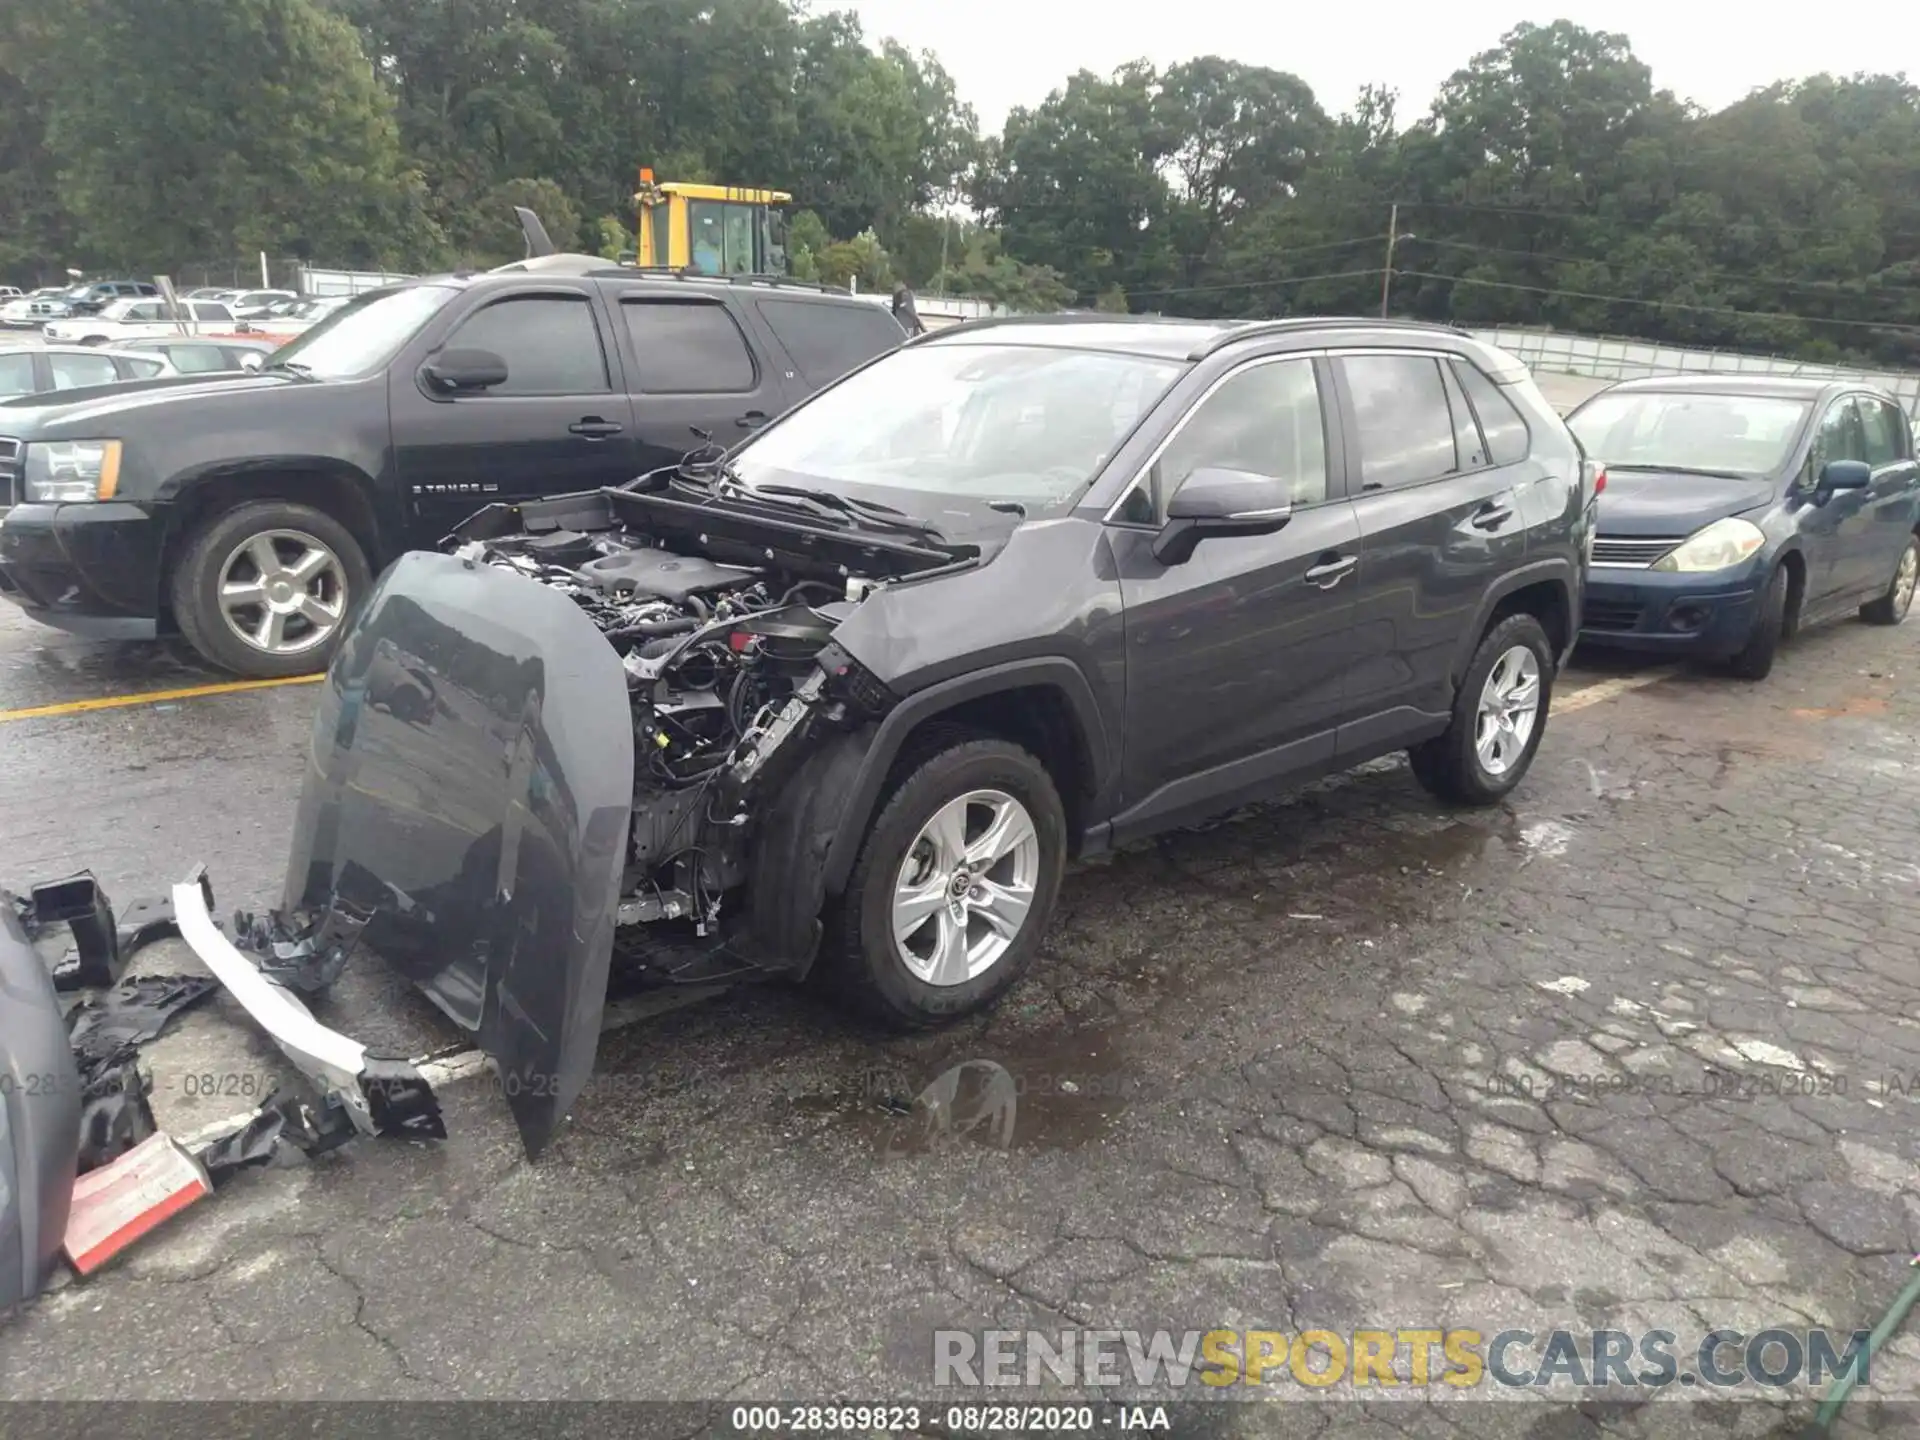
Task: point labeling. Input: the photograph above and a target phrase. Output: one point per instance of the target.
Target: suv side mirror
(1217, 501)
(1843, 475)
(465, 370)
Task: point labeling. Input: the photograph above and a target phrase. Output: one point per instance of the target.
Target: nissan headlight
(1719, 546)
(64, 471)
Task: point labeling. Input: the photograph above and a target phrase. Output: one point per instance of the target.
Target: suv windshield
(979, 423)
(363, 336)
(1660, 430)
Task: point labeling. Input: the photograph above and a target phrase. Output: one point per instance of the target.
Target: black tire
(1449, 765)
(1754, 660)
(94, 340)
(1892, 605)
(195, 586)
(859, 956)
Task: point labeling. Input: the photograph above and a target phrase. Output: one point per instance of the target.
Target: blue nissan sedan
(1741, 509)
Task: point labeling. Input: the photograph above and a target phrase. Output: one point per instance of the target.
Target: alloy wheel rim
(965, 888)
(283, 592)
(1904, 580)
(1508, 712)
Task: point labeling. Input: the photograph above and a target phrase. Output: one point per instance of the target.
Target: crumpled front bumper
(382, 1095)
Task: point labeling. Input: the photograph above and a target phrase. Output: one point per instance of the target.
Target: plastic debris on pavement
(119, 1202)
(105, 1035)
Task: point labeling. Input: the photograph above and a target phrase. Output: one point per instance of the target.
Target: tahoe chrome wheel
(1509, 710)
(283, 592)
(965, 888)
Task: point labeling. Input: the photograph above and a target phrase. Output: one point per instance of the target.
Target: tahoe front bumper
(92, 569)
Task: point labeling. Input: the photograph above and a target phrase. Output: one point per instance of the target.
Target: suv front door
(560, 422)
(1237, 660)
(692, 368)
(1439, 521)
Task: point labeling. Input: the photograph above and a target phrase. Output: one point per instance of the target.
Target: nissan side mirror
(455, 370)
(1217, 501)
(1844, 475)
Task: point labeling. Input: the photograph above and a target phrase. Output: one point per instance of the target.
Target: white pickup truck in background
(140, 319)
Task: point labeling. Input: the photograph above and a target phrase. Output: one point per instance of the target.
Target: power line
(1658, 304)
(1542, 213)
(1812, 287)
(1258, 284)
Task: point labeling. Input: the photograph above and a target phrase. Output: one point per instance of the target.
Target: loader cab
(711, 229)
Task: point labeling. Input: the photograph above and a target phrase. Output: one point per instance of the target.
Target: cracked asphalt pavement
(1635, 1050)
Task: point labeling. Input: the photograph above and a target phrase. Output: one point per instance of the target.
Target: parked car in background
(30, 312)
(251, 304)
(1740, 510)
(93, 296)
(204, 356)
(287, 320)
(10, 292)
(47, 368)
(251, 512)
(128, 319)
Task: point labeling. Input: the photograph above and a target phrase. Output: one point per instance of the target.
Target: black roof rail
(672, 272)
(1295, 324)
(1066, 317)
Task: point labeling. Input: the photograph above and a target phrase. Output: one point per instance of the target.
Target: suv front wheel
(1499, 717)
(266, 589)
(954, 887)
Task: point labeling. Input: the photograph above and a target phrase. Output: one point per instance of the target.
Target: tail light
(1599, 482)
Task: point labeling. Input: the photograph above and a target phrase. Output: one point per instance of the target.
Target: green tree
(168, 148)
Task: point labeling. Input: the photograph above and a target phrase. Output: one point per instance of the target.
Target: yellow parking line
(1606, 689)
(151, 697)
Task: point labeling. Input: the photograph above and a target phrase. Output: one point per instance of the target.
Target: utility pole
(1386, 277)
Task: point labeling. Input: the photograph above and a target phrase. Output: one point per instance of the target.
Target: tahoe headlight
(64, 471)
(1720, 545)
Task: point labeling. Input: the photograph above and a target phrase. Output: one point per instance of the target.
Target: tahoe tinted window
(70, 372)
(1405, 427)
(16, 374)
(550, 343)
(826, 341)
(688, 347)
(1501, 424)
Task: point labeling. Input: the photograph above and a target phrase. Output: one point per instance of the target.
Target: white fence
(313, 282)
(1630, 359)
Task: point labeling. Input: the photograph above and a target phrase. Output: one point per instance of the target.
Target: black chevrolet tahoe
(250, 512)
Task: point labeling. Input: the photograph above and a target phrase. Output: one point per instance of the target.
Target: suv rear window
(1503, 426)
(827, 340)
(688, 347)
(1400, 410)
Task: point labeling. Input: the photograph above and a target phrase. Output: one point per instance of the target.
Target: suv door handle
(752, 420)
(1332, 569)
(1491, 516)
(594, 428)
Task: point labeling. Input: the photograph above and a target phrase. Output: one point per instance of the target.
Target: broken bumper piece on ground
(381, 1095)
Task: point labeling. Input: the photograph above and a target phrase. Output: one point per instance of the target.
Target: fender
(1557, 568)
(1051, 672)
(812, 835)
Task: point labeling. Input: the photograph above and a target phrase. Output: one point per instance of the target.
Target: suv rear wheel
(265, 589)
(1499, 717)
(954, 887)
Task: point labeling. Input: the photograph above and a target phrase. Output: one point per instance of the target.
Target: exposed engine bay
(724, 661)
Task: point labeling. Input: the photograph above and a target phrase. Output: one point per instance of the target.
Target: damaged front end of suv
(618, 719)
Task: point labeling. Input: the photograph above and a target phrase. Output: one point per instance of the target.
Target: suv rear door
(1440, 520)
(692, 366)
(823, 339)
(560, 422)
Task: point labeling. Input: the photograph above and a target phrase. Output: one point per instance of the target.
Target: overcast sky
(1003, 53)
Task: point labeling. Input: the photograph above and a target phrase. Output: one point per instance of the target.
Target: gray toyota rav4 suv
(848, 696)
